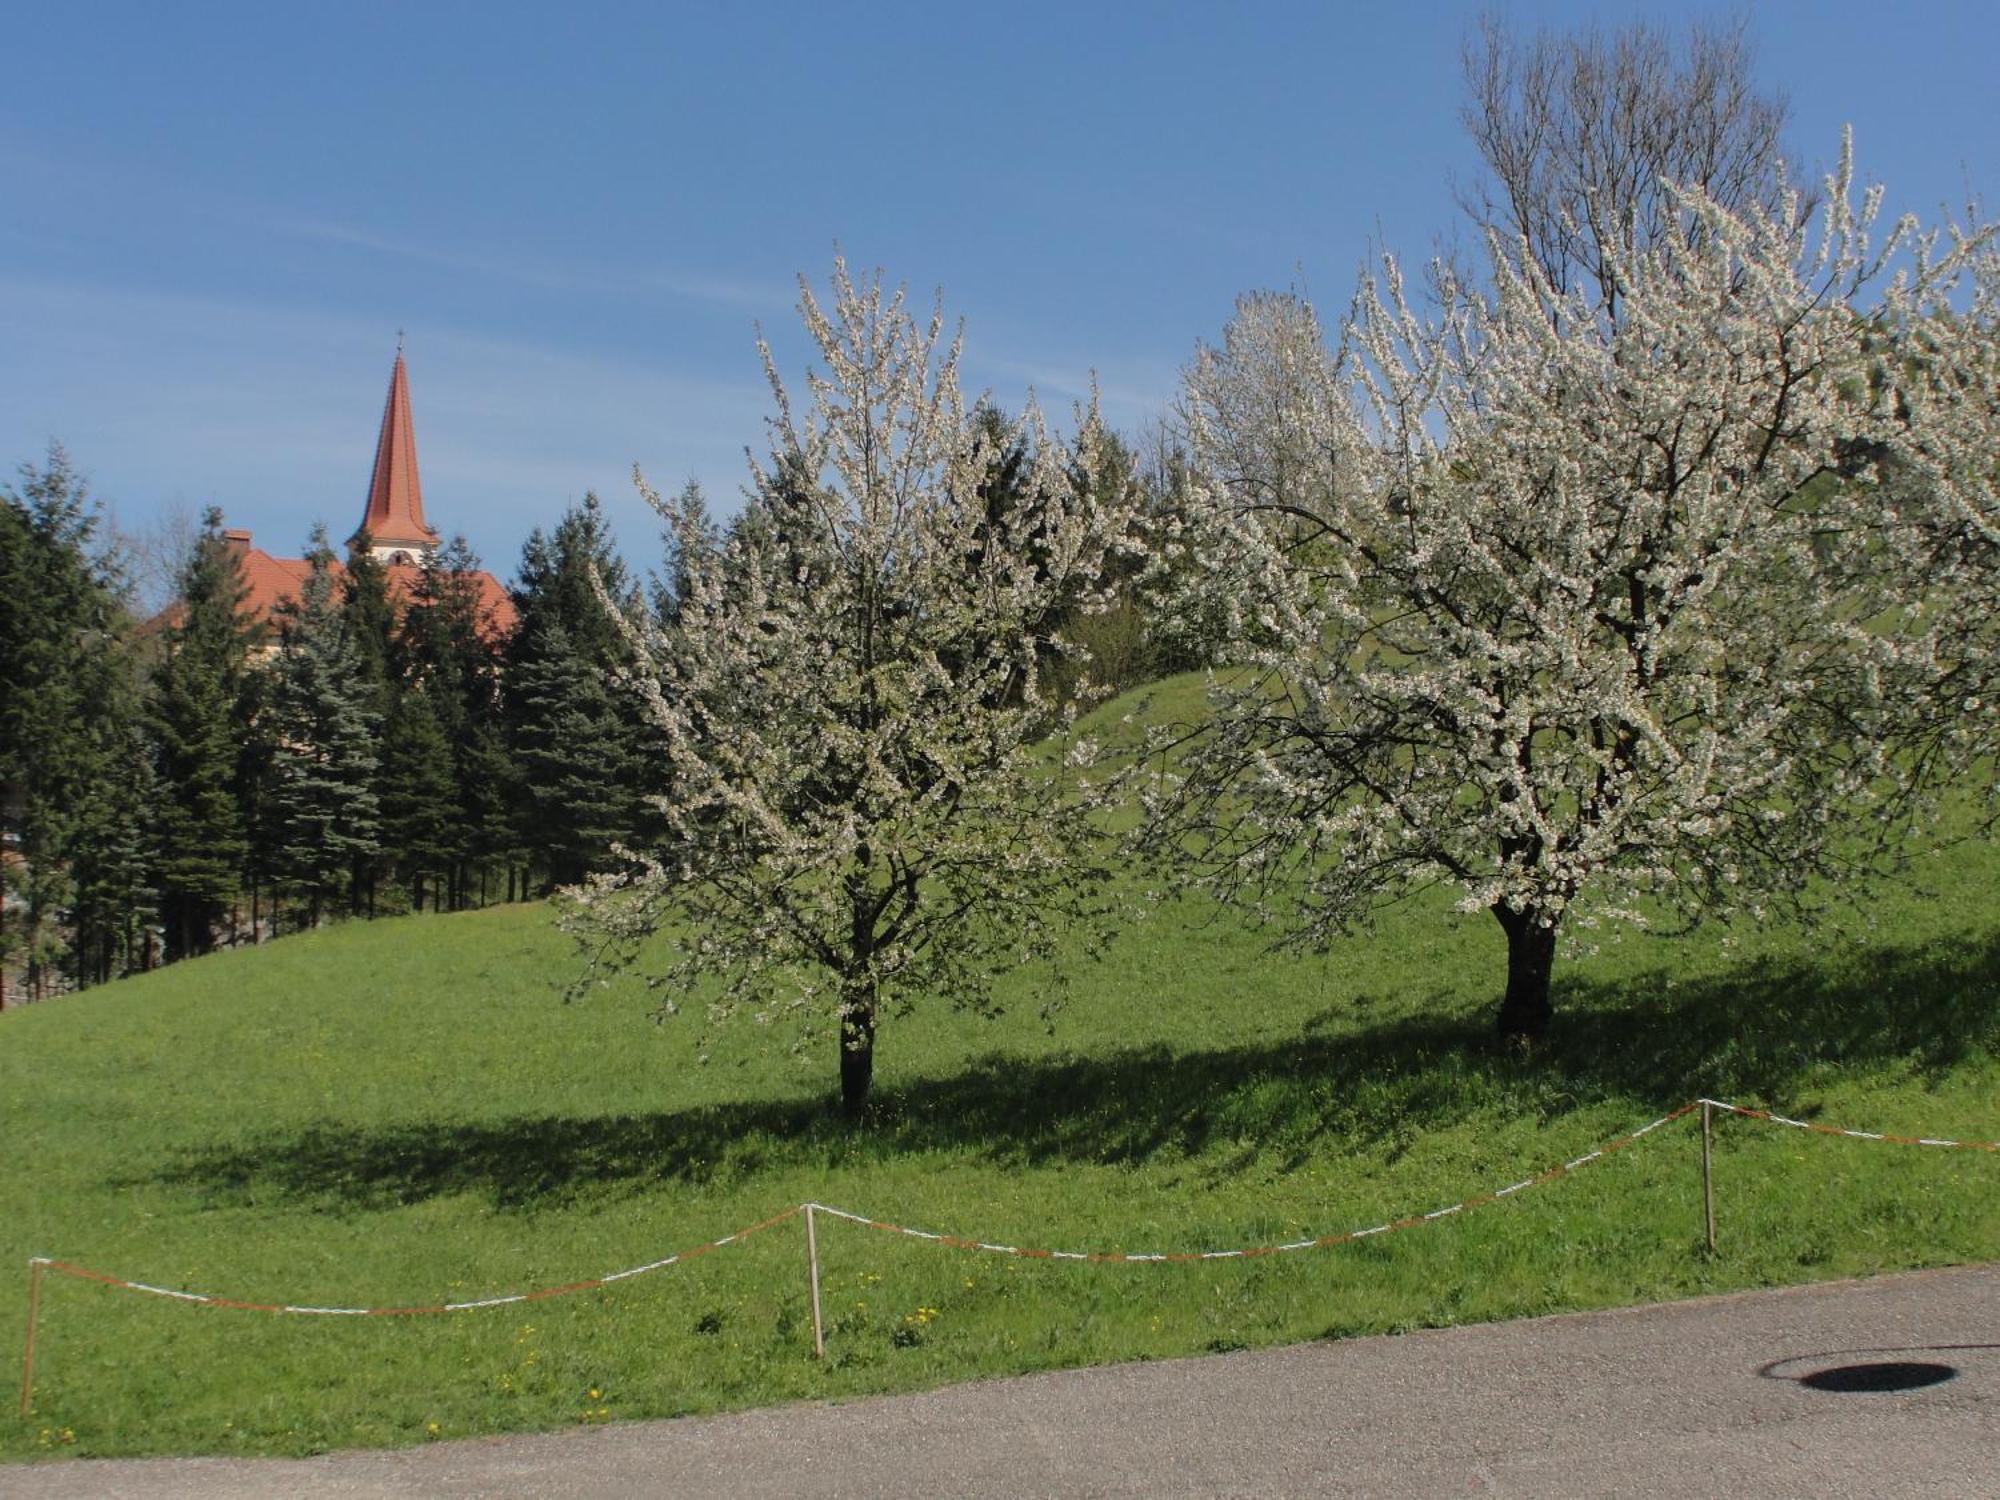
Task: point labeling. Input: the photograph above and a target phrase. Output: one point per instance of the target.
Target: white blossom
(852, 699)
(1596, 618)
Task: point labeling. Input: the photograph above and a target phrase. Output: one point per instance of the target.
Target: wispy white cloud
(766, 298)
(272, 412)
(1131, 393)
(694, 286)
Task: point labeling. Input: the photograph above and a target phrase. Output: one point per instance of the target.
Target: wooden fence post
(35, 1264)
(812, 1265)
(1708, 1172)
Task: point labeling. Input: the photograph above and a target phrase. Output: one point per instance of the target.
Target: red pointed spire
(395, 515)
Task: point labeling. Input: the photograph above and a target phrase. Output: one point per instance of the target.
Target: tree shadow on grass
(1760, 1032)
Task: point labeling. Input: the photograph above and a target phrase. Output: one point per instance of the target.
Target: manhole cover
(1888, 1375)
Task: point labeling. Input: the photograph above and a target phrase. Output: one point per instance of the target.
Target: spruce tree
(370, 615)
(489, 792)
(199, 723)
(64, 714)
(684, 555)
(578, 746)
(573, 747)
(256, 767)
(322, 799)
(112, 852)
(419, 802)
(446, 648)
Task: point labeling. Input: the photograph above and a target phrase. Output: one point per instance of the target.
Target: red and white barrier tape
(1858, 1135)
(539, 1295)
(960, 1242)
(1319, 1242)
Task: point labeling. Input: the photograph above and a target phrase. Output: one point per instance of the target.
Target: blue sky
(218, 217)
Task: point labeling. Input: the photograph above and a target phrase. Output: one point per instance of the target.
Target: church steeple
(394, 519)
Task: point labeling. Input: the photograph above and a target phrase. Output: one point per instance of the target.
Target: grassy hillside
(406, 1112)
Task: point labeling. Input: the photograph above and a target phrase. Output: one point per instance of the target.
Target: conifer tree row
(577, 746)
(210, 777)
(71, 769)
(199, 716)
(323, 804)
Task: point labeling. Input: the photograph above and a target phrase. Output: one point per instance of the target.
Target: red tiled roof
(496, 606)
(271, 582)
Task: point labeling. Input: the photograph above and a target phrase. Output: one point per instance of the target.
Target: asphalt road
(1734, 1395)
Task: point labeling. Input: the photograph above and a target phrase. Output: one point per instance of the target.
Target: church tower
(394, 519)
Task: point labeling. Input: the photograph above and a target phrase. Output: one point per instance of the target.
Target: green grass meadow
(406, 1112)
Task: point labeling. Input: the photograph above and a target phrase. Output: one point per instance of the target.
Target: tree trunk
(857, 1045)
(175, 929)
(1531, 956)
